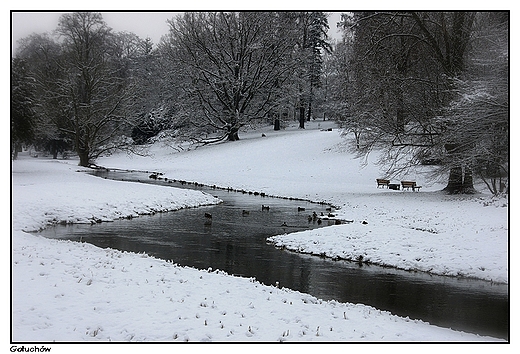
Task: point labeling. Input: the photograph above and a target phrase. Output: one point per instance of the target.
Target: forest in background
(423, 87)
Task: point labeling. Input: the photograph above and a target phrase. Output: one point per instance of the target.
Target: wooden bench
(382, 182)
(410, 185)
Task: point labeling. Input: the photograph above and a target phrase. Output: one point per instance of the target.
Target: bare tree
(93, 87)
(233, 65)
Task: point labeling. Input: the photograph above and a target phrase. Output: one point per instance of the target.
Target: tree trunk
(53, 147)
(459, 181)
(400, 112)
(467, 183)
(277, 124)
(302, 117)
(455, 179)
(357, 135)
(15, 149)
(233, 134)
(309, 109)
(84, 158)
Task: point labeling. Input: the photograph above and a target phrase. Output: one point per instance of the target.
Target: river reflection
(236, 242)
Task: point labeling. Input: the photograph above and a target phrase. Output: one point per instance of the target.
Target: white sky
(143, 24)
(152, 23)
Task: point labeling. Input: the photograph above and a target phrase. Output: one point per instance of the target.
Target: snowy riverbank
(66, 291)
(427, 231)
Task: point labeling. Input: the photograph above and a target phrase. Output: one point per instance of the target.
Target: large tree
(392, 86)
(478, 116)
(83, 84)
(448, 38)
(93, 87)
(232, 65)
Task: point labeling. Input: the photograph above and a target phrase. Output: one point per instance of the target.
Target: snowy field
(65, 291)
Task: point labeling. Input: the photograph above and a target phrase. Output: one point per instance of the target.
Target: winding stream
(234, 241)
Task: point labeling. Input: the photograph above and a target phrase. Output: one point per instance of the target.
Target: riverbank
(427, 231)
(67, 291)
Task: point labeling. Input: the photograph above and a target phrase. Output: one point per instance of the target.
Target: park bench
(382, 182)
(410, 185)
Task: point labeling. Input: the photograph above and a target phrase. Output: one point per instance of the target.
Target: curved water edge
(157, 176)
(363, 262)
(236, 243)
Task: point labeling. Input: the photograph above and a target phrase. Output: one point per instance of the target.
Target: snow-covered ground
(67, 291)
(427, 230)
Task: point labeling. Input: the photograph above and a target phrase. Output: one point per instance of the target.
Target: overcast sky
(143, 24)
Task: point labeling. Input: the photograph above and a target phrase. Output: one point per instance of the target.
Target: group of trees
(82, 88)
(244, 67)
(430, 88)
(89, 87)
(423, 87)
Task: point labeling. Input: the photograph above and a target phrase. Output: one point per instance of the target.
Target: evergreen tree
(311, 42)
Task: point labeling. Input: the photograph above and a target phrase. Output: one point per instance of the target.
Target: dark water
(236, 243)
